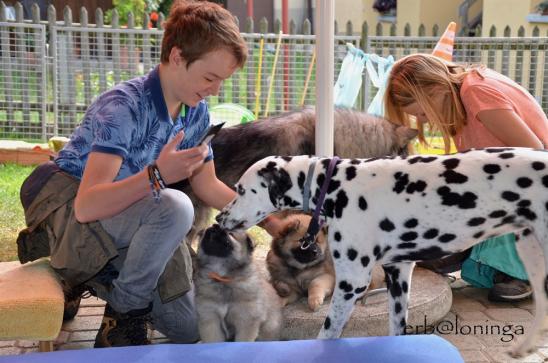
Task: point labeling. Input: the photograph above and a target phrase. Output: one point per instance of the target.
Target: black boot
(123, 329)
(73, 296)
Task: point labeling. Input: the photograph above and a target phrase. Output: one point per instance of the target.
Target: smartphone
(211, 133)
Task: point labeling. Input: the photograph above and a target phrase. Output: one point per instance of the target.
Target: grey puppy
(357, 135)
(233, 299)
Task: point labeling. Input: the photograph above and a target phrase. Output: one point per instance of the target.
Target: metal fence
(23, 75)
(51, 71)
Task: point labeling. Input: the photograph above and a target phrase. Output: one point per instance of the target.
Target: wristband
(155, 185)
(158, 176)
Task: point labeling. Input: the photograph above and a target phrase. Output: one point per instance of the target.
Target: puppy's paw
(314, 302)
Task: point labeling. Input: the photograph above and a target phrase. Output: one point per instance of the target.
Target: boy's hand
(176, 165)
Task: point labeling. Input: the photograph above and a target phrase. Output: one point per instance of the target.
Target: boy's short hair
(199, 27)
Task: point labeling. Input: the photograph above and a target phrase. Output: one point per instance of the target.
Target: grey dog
(235, 149)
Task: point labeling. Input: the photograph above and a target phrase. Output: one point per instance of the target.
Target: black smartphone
(211, 133)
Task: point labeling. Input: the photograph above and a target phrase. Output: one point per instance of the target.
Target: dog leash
(315, 223)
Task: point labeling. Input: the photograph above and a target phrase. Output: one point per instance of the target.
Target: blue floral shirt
(131, 120)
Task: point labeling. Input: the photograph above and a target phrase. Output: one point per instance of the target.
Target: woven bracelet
(154, 184)
(158, 176)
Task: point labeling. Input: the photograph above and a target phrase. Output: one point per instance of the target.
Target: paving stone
(83, 336)
(82, 323)
(474, 293)
(26, 343)
(92, 301)
(161, 341)
(509, 314)
(473, 316)
(463, 305)
(155, 334)
(501, 355)
(10, 351)
(503, 334)
(30, 350)
(528, 304)
(543, 352)
(7, 343)
(62, 338)
(91, 311)
(474, 356)
(463, 342)
(76, 345)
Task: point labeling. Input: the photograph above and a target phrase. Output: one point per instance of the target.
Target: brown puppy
(296, 273)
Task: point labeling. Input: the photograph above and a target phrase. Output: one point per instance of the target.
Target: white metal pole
(325, 74)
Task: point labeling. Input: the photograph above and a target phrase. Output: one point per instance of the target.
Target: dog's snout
(215, 231)
(216, 242)
(307, 255)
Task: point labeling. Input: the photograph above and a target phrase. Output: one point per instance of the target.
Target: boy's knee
(177, 209)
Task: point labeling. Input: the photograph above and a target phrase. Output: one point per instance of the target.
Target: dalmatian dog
(398, 210)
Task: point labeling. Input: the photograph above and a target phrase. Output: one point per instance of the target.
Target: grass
(12, 219)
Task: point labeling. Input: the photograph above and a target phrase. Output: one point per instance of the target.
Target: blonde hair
(417, 78)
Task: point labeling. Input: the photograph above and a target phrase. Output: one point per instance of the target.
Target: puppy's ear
(290, 227)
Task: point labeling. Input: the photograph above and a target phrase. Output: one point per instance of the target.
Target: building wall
(428, 13)
(350, 10)
(513, 13)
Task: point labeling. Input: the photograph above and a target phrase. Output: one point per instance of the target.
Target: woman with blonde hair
(475, 107)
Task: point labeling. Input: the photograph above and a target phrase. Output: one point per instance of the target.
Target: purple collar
(315, 224)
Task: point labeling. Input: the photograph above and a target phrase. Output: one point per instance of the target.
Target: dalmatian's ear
(277, 180)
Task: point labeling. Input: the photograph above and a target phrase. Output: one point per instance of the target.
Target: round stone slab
(430, 301)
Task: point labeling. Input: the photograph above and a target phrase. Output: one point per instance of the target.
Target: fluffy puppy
(296, 273)
(233, 300)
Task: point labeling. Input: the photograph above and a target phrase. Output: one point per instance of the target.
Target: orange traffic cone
(444, 47)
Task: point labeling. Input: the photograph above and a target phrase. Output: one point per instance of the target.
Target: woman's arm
(509, 128)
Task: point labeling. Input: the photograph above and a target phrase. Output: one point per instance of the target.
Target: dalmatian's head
(267, 186)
